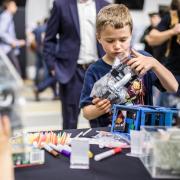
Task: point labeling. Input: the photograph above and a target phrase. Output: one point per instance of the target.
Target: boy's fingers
(108, 108)
(135, 64)
(135, 53)
(104, 104)
(142, 72)
(95, 100)
(131, 61)
(139, 68)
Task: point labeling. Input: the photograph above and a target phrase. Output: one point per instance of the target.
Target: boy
(114, 33)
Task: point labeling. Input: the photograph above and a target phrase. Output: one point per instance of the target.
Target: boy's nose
(117, 45)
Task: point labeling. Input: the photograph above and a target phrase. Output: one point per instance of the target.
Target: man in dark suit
(70, 46)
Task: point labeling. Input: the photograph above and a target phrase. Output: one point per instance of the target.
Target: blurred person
(76, 47)
(49, 81)
(154, 21)
(155, 51)
(168, 31)
(9, 44)
(37, 46)
(6, 164)
(159, 50)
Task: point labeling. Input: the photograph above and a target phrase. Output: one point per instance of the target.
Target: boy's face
(115, 41)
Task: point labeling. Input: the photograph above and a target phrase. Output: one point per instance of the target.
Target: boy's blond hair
(115, 15)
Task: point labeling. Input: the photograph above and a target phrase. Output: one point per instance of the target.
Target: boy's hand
(103, 105)
(140, 63)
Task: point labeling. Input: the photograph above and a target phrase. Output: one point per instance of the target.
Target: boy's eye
(122, 40)
(109, 41)
(113, 40)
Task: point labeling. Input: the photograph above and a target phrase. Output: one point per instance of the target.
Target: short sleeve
(89, 81)
(164, 23)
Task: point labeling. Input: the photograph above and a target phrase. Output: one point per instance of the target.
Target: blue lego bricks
(140, 115)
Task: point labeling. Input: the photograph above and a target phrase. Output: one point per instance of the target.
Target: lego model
(140, 115)
(116, 84)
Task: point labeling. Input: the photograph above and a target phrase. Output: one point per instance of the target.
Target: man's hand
(18, 43)
(21, 42)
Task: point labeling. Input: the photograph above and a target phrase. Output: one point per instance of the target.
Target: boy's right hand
(103, 105)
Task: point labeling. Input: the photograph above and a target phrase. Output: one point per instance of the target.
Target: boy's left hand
(140, 63)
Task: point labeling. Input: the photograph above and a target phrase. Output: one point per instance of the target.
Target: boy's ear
(98, 37)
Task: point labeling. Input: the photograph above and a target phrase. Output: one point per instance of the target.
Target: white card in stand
(79, 155)
(136, 143)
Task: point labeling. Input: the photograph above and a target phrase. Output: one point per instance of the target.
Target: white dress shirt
(87, 22)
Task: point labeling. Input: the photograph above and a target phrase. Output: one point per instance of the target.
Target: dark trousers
(49, 82)
(70, 96)
(15, 61)
(39, 65)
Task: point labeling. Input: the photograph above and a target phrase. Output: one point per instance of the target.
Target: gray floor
(44, 114)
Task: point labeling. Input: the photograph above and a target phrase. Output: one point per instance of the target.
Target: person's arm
(98, 108)
(156, 37)
(141, 64)
(92, 107)
(6, 165)
(5, 36)
(146, 32)
(163, 32)
(5, 21)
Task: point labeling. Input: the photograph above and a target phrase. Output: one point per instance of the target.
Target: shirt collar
(85, 1)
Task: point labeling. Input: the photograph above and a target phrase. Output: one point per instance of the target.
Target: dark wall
(18, 2)
(132, 4)
(19, 20)
(21, 2)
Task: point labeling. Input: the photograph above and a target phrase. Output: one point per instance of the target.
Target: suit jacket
(62, 53)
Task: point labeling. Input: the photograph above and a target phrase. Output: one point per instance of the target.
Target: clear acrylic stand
(136, 140)
(79, 156)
